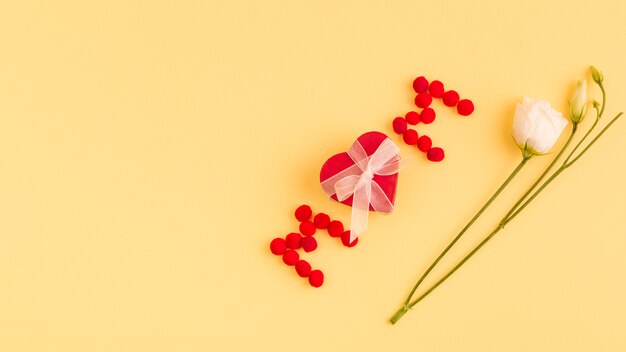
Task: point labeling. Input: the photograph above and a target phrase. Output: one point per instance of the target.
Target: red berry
(321, 220)
(345, 239)
(420, 84)
(450, 98)
(293, 240)
(309, 244)
(316, 278)
(423, 100)
(412, 117)
(303, 212)
(291, 257)
(303, 268)
(428, 115)
(410, 137)
(399, 125)
(335, 228)
(436, 89)
(307, 228)
(435, 154)
(465, 107)
(424, 143)
(278, 246)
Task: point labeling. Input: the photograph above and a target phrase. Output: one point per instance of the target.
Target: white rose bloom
(537, 126)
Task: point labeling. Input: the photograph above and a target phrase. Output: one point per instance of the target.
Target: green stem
(565, 165)
(465, 259)
(545, 172)
(467, 226)
(456, 267)
(603, 97)
(502, 224)
(544, 185)
(595, 123)
(595, 139)
(399, 314)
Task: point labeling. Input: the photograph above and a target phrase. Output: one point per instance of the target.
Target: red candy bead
(423, 100)
(420, 84)
(293, 240)
(316, 278)
(321, 220)
(450, 98)
(412, 118)
(410, 137)
(424, 143)
(307, 228)
(436, 89)
(303, 213)
(335, 228)
(291, 257)
(428, 115)
(345, 239)
(309, 244)
(399, 125)
(435, 154)
(303, 268)
(465, 107)
(278, 246)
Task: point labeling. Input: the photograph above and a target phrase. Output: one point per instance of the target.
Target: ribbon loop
(358, 181)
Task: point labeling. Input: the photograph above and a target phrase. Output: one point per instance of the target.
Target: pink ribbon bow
(358, 180)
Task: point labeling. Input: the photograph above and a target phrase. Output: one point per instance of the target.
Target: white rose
(537, 126)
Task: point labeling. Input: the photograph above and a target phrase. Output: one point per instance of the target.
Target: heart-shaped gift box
(370, 142)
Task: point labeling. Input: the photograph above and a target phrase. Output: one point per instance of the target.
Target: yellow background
(150, 150)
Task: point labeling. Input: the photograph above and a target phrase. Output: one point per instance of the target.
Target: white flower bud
(578, 105)
(597, 76)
